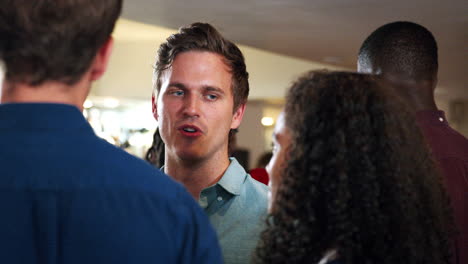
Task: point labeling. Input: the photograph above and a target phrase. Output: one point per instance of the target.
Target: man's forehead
(198, 69)
(201, 58)
(166, 74)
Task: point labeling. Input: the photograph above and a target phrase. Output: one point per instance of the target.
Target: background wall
(129, 74)
(458, 116)
(129, 79)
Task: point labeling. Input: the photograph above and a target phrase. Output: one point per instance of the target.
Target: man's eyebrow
(177, 85)
(209, 88)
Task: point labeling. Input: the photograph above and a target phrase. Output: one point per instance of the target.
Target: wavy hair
(359, 179)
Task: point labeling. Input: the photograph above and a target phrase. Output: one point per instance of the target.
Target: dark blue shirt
(67, 196)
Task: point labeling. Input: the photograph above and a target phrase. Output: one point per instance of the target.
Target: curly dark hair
(359, 179)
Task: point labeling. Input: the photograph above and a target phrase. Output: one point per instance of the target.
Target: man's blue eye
(212, 97)
(178, 93)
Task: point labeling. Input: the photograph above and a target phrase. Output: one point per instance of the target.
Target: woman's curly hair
(359, 179)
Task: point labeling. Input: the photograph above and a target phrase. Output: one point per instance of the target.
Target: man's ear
(99, 65)
(237, 117)
(154, 106)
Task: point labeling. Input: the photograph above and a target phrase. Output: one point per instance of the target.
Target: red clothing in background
(450, 150)
(260, 174)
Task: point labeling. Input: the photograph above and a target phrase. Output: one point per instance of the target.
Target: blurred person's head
(405, 54)
(403, 49)
(201, 83)
(351, 173)
(280, 154)
(57, 42)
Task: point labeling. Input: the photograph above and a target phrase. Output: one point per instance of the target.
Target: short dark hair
(44, 40)
(352, 180)
(204, 37)
(405, 48)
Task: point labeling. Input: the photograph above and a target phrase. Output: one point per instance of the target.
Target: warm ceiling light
(267, 121)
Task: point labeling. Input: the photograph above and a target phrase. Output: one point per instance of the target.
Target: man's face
(195, 107)
(281, 142)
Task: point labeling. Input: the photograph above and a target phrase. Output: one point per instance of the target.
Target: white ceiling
(327, 31)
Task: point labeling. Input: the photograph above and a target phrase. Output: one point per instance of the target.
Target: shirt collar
(43, 116)
(431, 117)
(233, 177)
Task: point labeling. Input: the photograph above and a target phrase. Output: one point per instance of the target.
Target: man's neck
(48, 92)
(196, 175)
(419, 96)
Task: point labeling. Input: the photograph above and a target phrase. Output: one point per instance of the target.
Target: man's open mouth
(189, 129)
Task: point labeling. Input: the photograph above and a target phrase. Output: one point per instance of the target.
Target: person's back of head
(357, 178)
(55, 41)
(405, 50)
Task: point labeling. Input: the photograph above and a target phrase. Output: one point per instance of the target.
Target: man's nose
(191, 106)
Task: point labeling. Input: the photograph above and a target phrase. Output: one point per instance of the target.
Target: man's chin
(190, 156)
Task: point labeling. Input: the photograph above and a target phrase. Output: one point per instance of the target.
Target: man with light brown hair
(202, 87)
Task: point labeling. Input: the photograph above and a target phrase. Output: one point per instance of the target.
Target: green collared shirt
(237, 207)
